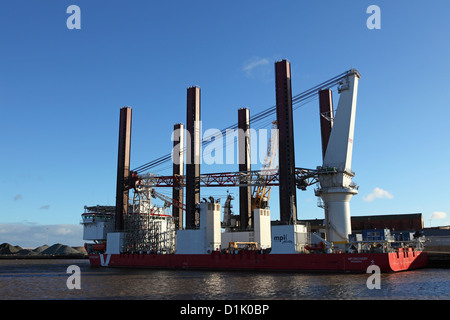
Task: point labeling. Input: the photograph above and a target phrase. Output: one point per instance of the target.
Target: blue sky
(61, 91)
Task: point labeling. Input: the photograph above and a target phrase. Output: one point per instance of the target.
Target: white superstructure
(97, 223)
(207, 237)
(336, 187)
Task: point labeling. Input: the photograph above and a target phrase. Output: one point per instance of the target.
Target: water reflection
(417, 284)
(47, 280)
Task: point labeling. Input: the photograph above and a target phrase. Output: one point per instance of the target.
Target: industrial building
(398, 222)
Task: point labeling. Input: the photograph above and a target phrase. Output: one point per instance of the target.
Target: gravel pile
(40, 249)
(26, 252)
(6, 248)
(57, 249)
(81, 250)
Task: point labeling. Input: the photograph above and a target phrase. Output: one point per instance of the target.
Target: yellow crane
(261, 193)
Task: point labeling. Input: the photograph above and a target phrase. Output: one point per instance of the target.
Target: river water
(47, 279)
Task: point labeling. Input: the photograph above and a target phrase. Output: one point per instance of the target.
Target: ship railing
(95, 217)
(384, 246)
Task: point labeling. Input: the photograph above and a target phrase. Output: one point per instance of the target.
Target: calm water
(46, 279)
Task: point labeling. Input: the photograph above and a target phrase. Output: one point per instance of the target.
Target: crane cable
(301, 97)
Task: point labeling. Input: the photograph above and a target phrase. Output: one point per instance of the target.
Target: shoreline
(37, 257)
(438, 259)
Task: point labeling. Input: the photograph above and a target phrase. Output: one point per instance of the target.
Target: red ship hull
(256, 261)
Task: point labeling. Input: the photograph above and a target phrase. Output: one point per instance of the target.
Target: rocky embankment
(8, 251)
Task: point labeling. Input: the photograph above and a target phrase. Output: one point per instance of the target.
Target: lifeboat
(316, 247)
(99, 247)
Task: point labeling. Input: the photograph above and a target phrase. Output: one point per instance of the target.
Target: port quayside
(136, 233)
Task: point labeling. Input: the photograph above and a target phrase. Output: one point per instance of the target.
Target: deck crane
(261, 192)
(167, 200)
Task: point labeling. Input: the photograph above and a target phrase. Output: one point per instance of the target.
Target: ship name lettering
(357, 259)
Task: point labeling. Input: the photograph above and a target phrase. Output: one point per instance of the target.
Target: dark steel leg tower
(123, 167)
(245, 193)
(287, 189)
(192, 156)
(178, 170)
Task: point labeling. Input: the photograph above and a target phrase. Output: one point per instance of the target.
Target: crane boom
(167, 200)
(261, 192)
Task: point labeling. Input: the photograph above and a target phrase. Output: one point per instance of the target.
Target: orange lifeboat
(99, 246)
(316, 247)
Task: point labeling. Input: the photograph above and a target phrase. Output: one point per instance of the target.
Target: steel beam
(287, 189)
(192, 156)
(123, 167)
(245, 192)
(303, 177)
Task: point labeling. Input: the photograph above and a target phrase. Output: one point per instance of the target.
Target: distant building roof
(443, 231)
(412, 221)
